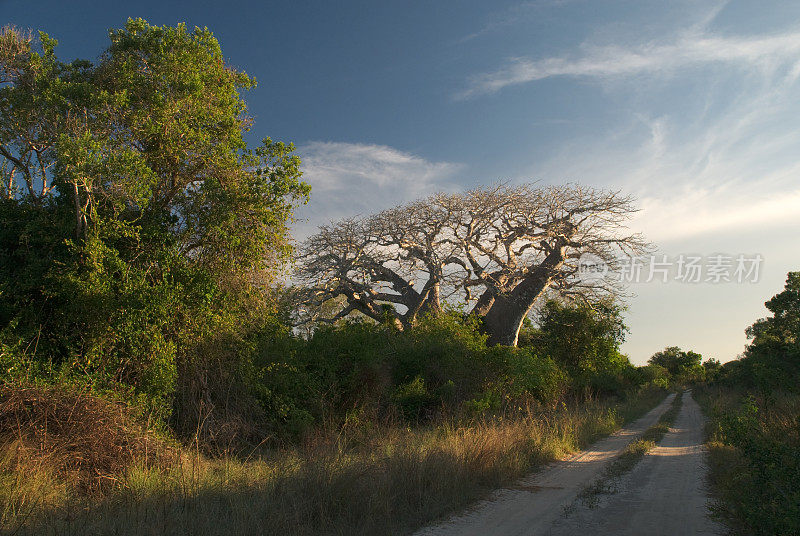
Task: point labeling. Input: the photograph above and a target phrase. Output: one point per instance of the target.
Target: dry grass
(367, 479)
(87, 440)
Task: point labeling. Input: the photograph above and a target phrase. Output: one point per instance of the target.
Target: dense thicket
(139, 231)
(755, 403)
(443, 366)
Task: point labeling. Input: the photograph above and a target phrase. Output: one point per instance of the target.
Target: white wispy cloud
(722, 162)
(733, 172)
(351, 178)
(697, 212)
(694, 49)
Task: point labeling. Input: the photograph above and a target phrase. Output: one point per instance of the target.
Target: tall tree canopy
(499, 249)
(584, 338)
(772, 359)
(779, 332)
(678, 362)
(136, 221)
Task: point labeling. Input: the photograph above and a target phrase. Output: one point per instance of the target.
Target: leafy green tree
(584, 339)
(780, 331)
(654, 375)
(681, 365)
(140, 233)
(772, 359)
(711, 369)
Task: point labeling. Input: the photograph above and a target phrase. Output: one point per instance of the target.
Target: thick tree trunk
(506, 314)
(483, 304)
(427, 302)
(503, 321)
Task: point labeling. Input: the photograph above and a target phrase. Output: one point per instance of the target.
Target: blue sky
(691, 106)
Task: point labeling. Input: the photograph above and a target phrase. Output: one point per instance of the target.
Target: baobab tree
(392, 265)
(521, 242)
(500, 249)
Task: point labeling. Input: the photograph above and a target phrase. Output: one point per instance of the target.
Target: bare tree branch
(511, 244)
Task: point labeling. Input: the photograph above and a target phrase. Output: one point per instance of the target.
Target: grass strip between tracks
(608, 481)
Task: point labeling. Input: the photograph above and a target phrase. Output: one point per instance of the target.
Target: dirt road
(664, 494)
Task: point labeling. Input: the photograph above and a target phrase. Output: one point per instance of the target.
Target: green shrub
(413, 398)
(523, 374)
(442, 349)
(441, 364)
(759, 485)
(584, 340)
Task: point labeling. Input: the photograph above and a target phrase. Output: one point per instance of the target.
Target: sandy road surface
(535, 505)
(663, 495)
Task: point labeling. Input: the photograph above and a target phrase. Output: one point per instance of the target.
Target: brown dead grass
(84, 439)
